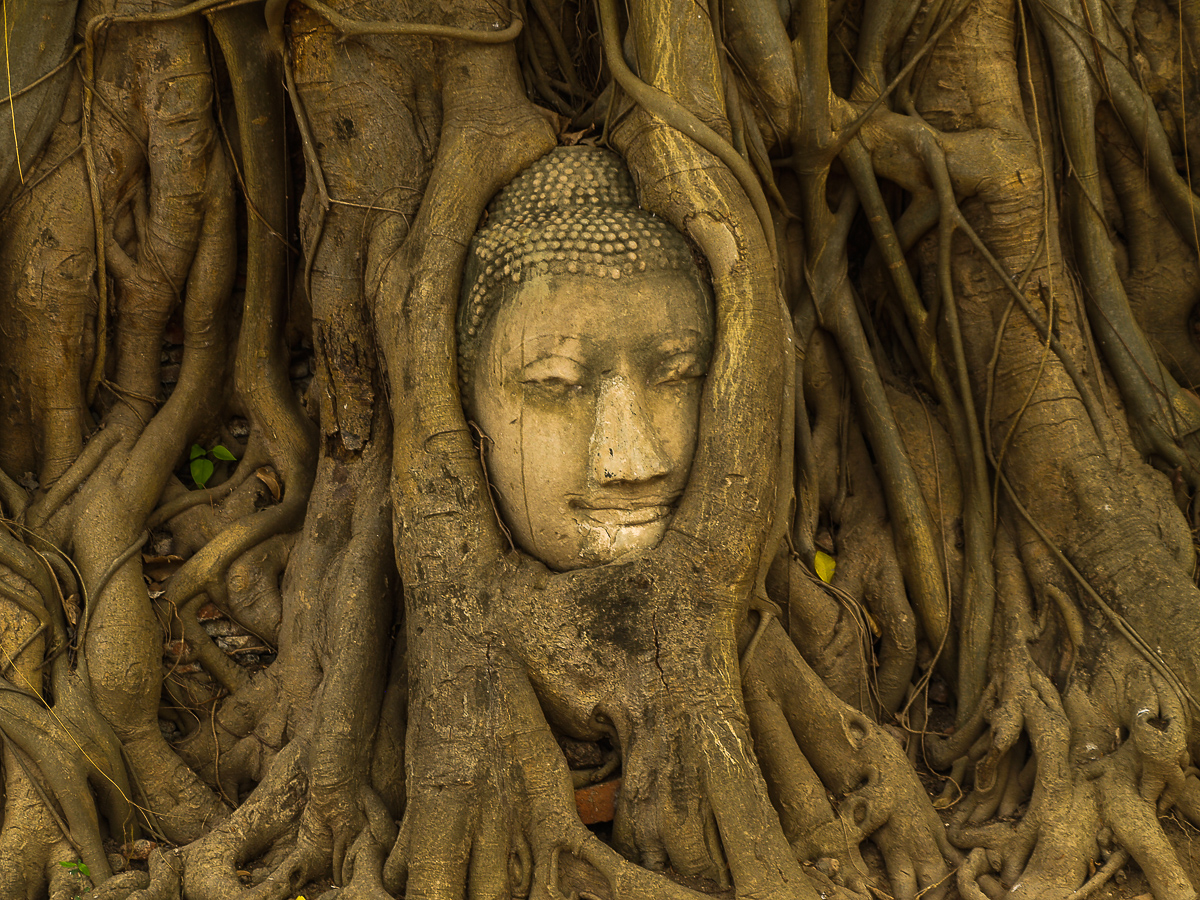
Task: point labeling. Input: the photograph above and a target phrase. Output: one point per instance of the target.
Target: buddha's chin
(605, 543)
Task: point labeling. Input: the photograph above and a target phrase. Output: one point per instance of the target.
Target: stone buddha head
(585, 329)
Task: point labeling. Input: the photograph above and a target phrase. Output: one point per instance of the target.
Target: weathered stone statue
(871, 476)
(585, 331)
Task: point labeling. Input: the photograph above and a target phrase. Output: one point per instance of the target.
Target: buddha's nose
(625, 445)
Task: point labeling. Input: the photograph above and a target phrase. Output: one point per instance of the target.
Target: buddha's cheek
(537, 465)
(675, 415)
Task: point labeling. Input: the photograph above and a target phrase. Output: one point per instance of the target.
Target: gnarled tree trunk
(262, 623)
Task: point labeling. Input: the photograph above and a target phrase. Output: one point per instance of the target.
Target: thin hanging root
(957, 402)
(927, 149)
(262, 381)
(30, 604)
(916, 547)
(42, 594)
(670, 111)
(349, 26)
(1050, 848)
(1164, 412)
(562, 54)
(1151, 655)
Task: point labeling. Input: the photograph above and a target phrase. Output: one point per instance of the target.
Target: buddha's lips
(620, 511)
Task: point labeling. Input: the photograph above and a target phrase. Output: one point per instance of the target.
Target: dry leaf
(209, 612)
(268, 477)
(71, 609)
(151, 560)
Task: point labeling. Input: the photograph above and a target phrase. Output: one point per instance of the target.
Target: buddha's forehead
(573, 213)
(580, 313)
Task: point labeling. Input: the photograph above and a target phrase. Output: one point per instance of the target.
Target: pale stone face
(588, 390)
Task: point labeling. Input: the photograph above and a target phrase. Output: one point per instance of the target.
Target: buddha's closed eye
(681, 368)
(557, 374)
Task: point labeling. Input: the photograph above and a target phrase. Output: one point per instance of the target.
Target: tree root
(507, 820)
(32, 843)
(856, 760)
(267, 817)
(1092, 788)
(727, 781)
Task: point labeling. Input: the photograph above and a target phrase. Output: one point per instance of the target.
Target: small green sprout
(79, 868)
(201, 464)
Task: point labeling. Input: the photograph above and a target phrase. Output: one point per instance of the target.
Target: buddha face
(588, 390)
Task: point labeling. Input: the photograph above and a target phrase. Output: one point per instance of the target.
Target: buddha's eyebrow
(538, 346)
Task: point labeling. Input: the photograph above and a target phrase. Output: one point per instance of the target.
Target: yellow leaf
(824, 564)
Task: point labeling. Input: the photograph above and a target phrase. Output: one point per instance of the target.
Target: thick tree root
(1075, 698)
(853, 757)
(506, 824)
(1102, 765)
(266, 819)
(33, 849)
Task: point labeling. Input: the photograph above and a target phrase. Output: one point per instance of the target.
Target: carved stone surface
(586, 332)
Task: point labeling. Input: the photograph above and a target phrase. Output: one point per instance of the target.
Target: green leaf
(197, 452)
(824, 564)
(202, 470)
(222, 452)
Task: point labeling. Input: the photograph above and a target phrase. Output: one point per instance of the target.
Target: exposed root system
(924, 623)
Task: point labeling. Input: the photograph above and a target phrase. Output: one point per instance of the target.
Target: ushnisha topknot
(574, 211)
